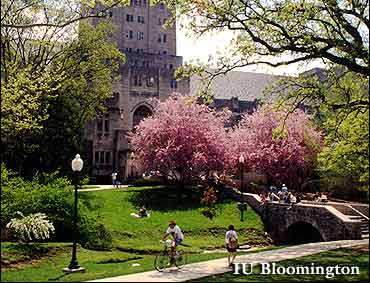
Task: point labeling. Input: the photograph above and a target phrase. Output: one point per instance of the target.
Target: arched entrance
(139, 114)
(301, 233)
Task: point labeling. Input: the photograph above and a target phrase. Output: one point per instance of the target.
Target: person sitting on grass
(231, 242)
(142, 213)
(177, 236)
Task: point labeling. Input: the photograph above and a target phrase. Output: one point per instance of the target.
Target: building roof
(246, 86)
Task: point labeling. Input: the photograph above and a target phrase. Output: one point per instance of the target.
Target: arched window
(140, 113)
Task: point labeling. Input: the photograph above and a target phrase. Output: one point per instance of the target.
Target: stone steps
(364, 225)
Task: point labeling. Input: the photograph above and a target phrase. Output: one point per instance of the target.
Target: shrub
(94, 236)
(31, 227)
(53, 196)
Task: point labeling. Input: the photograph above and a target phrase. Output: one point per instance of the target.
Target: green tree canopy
(281, 32)
(346, 151)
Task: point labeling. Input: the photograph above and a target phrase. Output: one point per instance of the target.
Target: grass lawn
(164, 204)
(134, 240)
(341, 257)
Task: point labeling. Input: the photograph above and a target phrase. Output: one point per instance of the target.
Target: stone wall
(331, 223)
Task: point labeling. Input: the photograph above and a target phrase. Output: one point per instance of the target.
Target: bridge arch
(301, 232)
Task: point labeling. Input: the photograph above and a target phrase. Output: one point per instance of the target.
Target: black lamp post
(242, 205)
(73, 266)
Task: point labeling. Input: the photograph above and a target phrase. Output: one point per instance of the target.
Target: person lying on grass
(177, 236)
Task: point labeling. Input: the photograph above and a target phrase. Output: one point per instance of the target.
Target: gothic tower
(148, 72)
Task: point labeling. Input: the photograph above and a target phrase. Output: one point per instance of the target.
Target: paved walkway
(102, 187)
(218, 266)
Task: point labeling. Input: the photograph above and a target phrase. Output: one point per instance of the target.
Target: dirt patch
(15, 261)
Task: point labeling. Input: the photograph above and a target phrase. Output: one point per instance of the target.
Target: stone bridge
(310, 221)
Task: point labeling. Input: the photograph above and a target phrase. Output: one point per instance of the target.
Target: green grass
(164, 205)
(342, 257)
(98, 265)
(137, 240)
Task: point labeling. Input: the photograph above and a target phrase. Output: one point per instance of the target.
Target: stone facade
(147, 73)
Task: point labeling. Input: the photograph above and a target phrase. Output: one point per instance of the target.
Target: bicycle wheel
(181, 259)
(161, 261)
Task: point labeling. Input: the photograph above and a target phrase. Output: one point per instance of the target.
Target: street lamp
(242, 206)
(73, 266)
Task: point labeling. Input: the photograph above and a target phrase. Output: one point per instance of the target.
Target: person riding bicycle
(177, 235)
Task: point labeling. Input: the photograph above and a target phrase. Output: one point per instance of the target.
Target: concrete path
(218, 266)
(103, 187)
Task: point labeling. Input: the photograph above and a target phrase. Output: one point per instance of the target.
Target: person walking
(231, 242)
(114, 179)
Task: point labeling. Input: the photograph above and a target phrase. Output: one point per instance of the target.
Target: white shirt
(230, 234)
(114, 176)
(177, 231)
(284, 189)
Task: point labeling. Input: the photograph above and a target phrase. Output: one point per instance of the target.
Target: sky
(192, 48)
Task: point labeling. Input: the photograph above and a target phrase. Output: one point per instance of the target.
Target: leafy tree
(56, 72)
(181, 139)
(346, 151)
(325, 92)
(284, 148)
(288, 31)
(44, 120)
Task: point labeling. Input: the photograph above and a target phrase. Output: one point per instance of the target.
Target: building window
(161, 5)
(138, 80)
(103, 157)
(173, 83)
(140, 19)
(106, 127)
(129, 49)
(144, 3)
(103, 125)
(107, 157)
(164, 52)
(159, 39)
(99, 125)
(130, 34)
(140, 35)
(165, 66)
(139, 50)
(171, 66)
(165, 38)
(150, 81)
(129, 18)
(159, 21)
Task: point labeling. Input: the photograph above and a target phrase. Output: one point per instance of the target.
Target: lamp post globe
(77, 165)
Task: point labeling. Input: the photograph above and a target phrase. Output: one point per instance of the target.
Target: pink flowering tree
(282, 147)
(182, 139)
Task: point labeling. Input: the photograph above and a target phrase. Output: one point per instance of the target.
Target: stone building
(147, 73)
(240, 92)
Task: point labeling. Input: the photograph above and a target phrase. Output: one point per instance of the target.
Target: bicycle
(164, 259)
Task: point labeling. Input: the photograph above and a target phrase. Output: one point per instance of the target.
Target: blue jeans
(178, 241)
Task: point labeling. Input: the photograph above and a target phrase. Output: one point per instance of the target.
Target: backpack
(233, 242)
